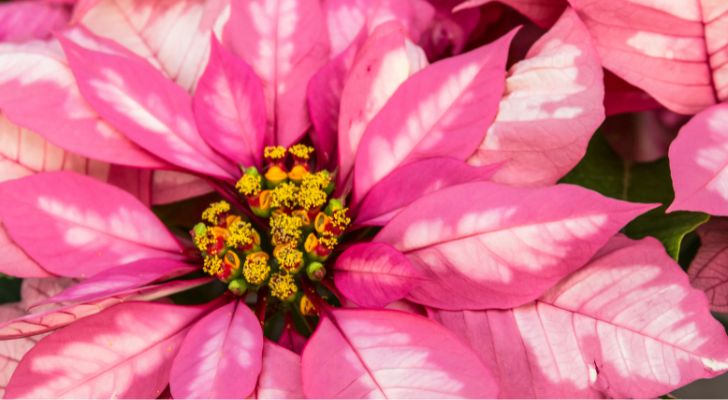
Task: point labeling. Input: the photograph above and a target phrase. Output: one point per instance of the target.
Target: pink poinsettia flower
(385, 209)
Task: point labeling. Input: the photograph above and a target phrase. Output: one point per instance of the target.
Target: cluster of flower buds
(304, 225)
(227, 242)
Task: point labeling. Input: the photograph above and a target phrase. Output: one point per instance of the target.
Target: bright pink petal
(285, 42)
(375, 274)
(280, 377)
(346, 21)
(543, 13)
(323, 97)
(551, 107)
(484, 245)
(16, 262)
(386, 59)
(412, 181)
(171, 186)
(221, 356)
(442, 111)
(26, 20)
(709, 269)
(627, 325)
(38, 92)
(677, 51)
(59, 220)
(11, 351)
(51, 318)
(390, 354)
(699, 163)
(230, 107)
(172, 36)
(149, 109)
(118, 279)
(126, 351)
(347, 18)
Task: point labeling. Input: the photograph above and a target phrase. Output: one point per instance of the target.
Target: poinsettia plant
(382, 214)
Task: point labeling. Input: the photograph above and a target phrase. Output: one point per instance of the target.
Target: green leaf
(604, 171)
(9, 289)
(181, 216)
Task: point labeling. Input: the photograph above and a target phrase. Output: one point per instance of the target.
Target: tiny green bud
(251, 171)
(238, 286)
(334, 204)
(315, 271)
(199, 229)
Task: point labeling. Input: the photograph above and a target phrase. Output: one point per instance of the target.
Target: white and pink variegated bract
(404, 134)
(675, 50)
(709, 269)
(699, 161)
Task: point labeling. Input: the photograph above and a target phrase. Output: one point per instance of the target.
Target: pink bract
(698, 160)
(26, 20)
(195, 91)
(676, 51)
(11, 351)
(627, 335)
(709, 269)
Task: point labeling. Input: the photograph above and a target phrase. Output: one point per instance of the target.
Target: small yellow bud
(214, 210)
(274, 153)
(282, 286)
(256, 269)
(212, 265)
(301, 151)
(289, 258)
(306, 307)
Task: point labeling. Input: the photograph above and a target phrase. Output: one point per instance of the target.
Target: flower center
(286, 228)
